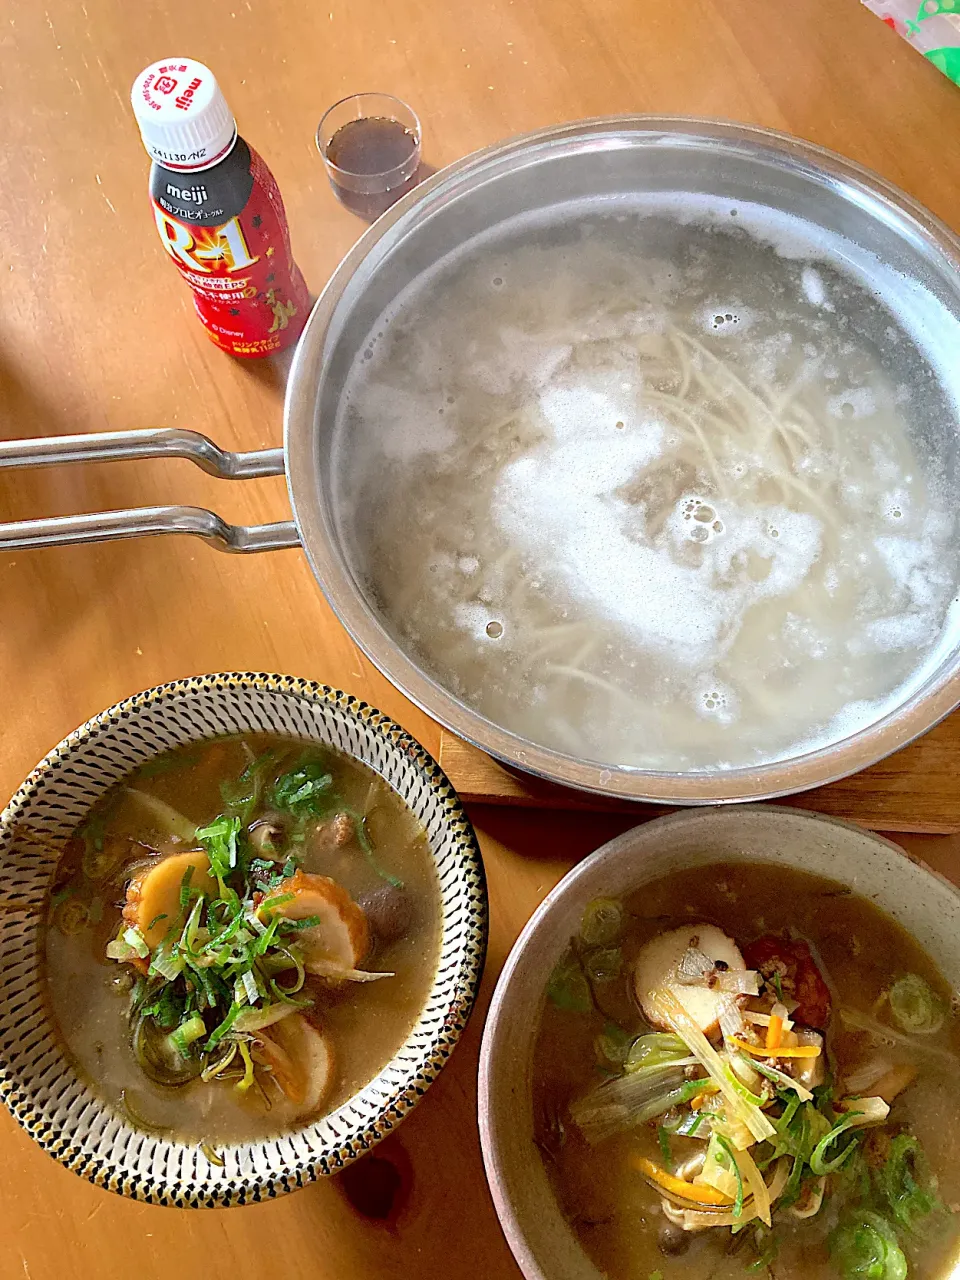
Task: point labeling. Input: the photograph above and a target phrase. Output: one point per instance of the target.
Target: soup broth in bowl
(657, 1147)
(242, 933)
(244, 919)
(741, 1058)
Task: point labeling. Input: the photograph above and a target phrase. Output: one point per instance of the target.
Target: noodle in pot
(653, 494)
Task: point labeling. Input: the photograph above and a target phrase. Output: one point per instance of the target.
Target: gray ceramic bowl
(37, 1080)
(925, 904)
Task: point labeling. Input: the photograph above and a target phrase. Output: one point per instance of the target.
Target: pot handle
(154, 442)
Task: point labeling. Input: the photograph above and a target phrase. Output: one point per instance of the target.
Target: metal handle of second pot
(138, 522)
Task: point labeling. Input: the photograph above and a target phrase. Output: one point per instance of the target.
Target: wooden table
(96, 333)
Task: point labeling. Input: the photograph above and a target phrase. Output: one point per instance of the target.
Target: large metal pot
(592, 159)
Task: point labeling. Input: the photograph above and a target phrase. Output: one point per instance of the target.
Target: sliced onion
(763, 1019)
(813, 1202)
(731, 1018)
(694, 968)
(863, 1022)
(867, 1074)
(699, 1220)
(742, 982)
(676, 1017)
(326, 969)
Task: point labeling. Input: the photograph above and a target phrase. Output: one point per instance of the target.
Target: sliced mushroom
(389, 911)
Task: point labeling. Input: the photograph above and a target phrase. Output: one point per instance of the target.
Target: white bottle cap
(183, 117)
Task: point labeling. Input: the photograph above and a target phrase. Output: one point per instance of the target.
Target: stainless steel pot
(584, 160)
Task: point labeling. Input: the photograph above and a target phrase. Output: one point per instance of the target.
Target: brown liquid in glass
(370, 146)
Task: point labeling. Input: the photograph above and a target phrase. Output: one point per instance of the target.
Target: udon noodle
(653, 494)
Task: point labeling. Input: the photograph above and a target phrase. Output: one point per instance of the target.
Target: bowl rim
(510, 1223)
(920, 710)
(257, 1183)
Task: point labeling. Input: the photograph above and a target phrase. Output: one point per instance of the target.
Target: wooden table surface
(96, 333)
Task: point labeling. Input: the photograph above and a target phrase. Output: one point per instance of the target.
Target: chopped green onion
(250, 986)
(214, 1069)
(366, 845)
(220, 1031)
(189, 1031)
(663, 1138)
(303, 791)
(819, 1164)
(916, 1007)
(120, 950)
(277, 900)
(568, 988)
(603, 964)
(166, 963)
(658, 1049)
(294, 926)
(906, 1184)
(779, 1078)
(136, 942)
(250, 1020)
(613, 1044)
(219, 839)
(185, 893)
(728, 1151)
(754, 1099)
(602, 922)
(864, 1245)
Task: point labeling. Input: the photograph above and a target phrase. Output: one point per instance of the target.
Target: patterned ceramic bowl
(37, 1081)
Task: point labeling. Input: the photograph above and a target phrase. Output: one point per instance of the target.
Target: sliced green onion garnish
(819, 1164)
(223, 1028)
(915, 1006)
(136, 942)
(186, 1034)
(728, 1151)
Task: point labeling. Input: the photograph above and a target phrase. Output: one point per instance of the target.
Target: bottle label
(226, 231)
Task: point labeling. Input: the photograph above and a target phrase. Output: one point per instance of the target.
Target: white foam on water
(573, 509)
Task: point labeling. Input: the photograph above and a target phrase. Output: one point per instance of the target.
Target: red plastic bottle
(219, 212)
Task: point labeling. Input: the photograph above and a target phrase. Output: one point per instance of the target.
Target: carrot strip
(774, 1032)
(699, 1194)
(759, 1051)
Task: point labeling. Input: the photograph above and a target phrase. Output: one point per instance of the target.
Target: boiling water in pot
(656, 486)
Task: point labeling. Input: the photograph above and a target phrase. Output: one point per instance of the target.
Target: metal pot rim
(919, 713)
(914, 717)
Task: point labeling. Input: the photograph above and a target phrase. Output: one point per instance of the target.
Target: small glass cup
(370, 146)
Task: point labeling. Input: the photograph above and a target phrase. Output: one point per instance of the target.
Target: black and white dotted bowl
(38, 1082)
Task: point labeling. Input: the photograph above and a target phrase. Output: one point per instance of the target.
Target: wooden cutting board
(917, 789)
